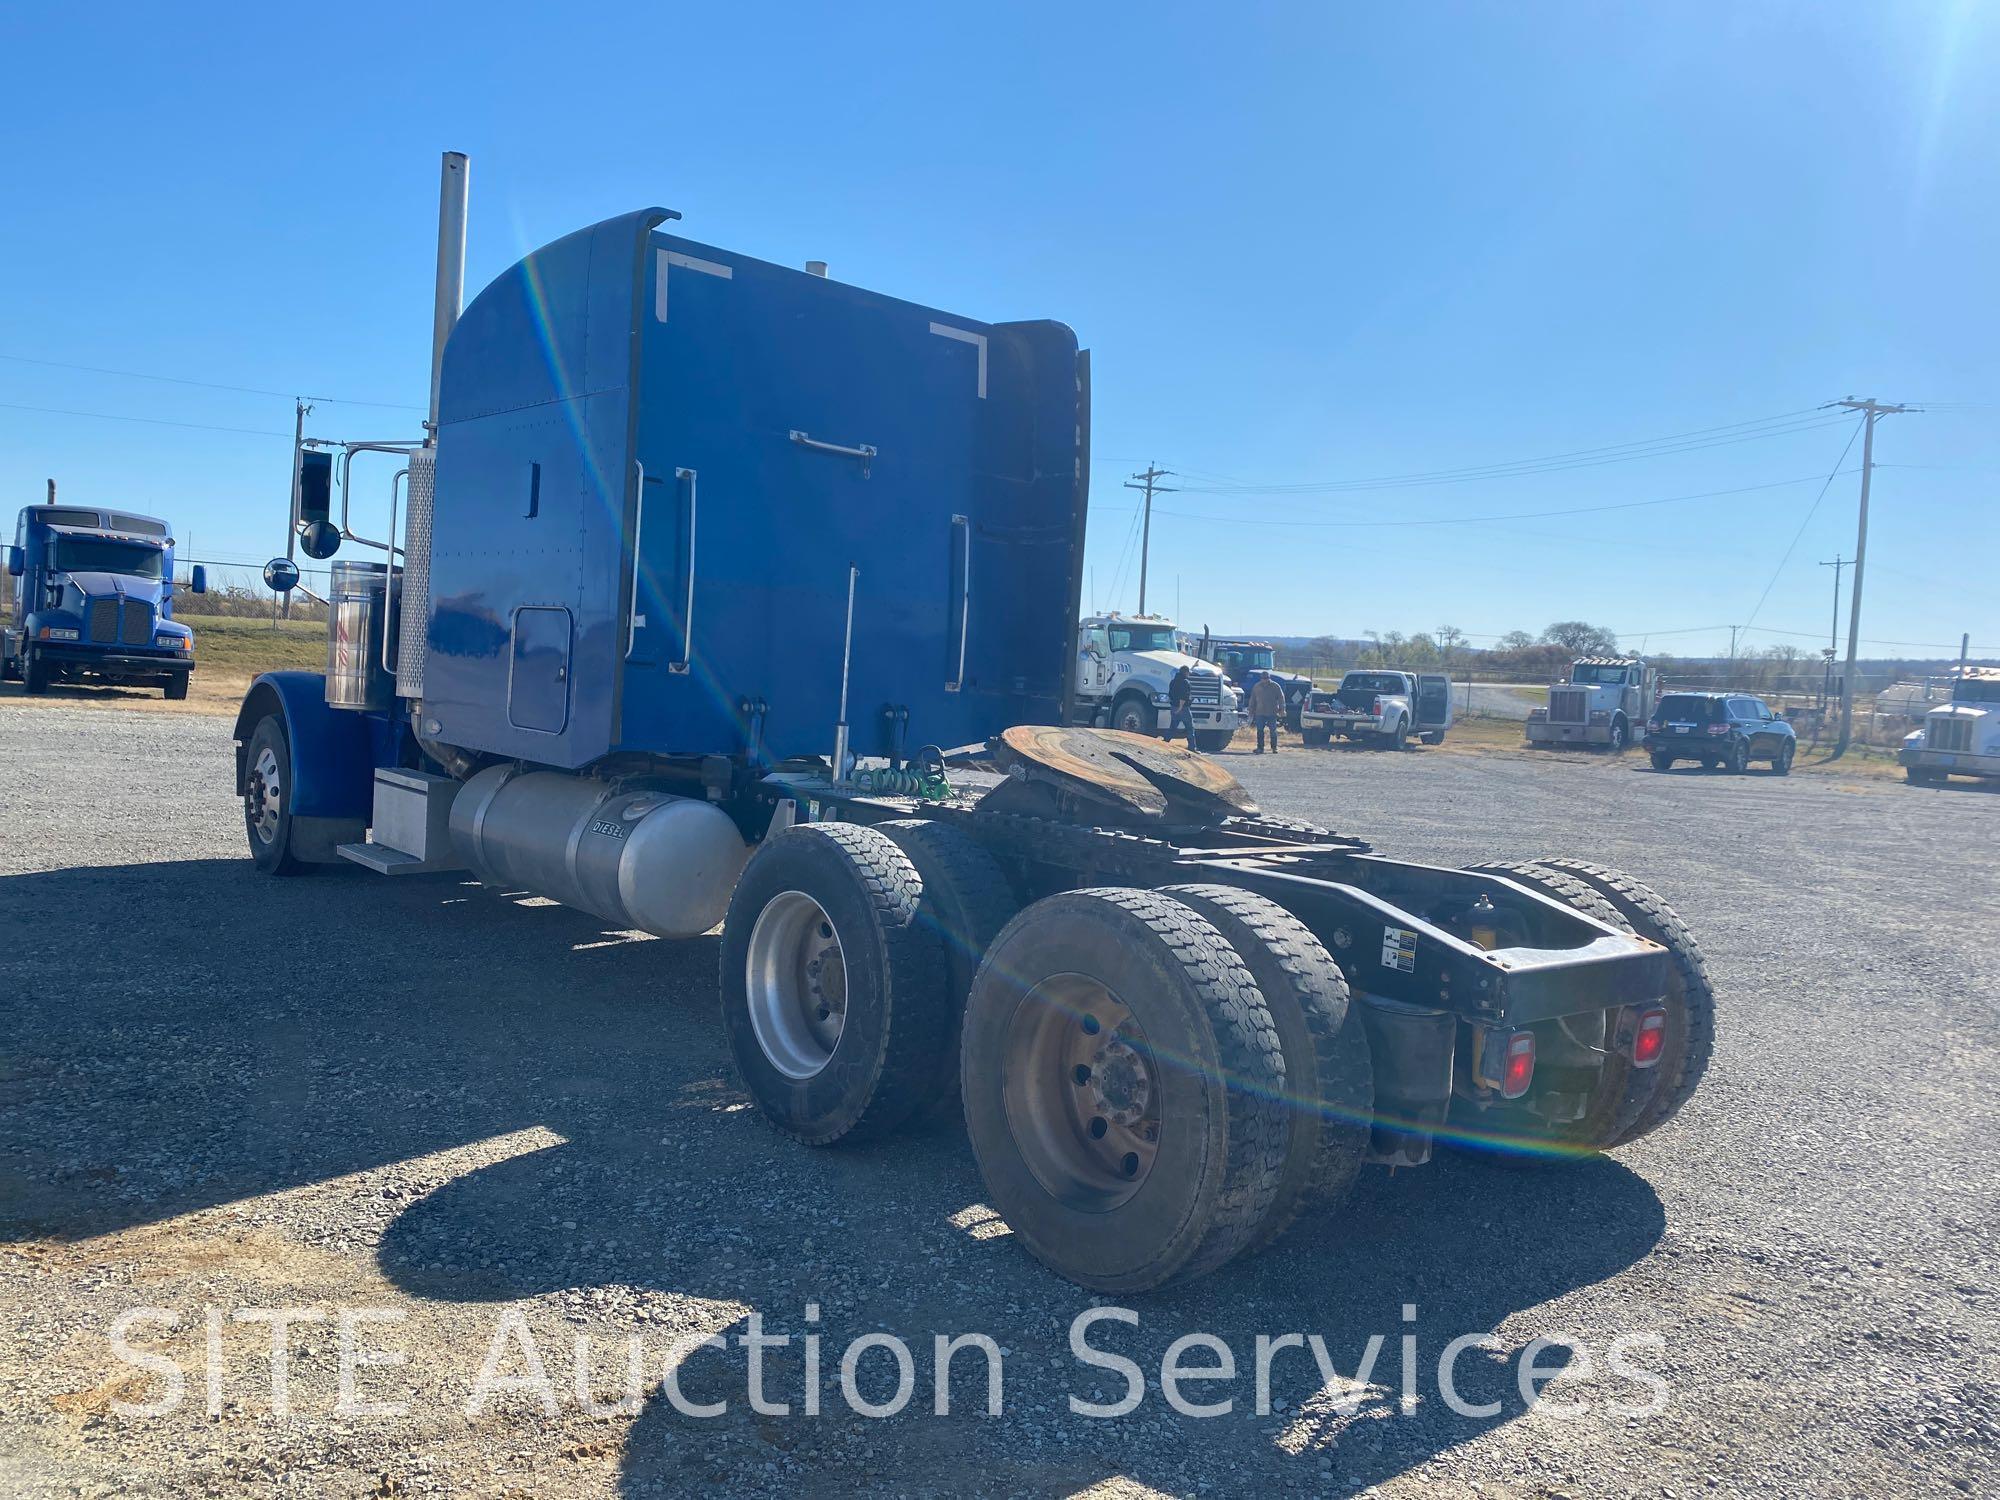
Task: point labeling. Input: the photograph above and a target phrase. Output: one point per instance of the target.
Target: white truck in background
(1959, 738)
(1606, 701)
(1123, 666)
(1383, 708)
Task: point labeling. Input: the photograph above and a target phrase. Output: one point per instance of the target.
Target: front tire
(1209, 741)
(833, 989)
(1621, 735)
(1135, 716)
(176, 687)
(267, 799)
(34, 672)
(1781, 763)
(1329, 1076)
(1123, 1089)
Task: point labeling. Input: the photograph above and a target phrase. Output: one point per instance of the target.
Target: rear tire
(1329, 1077)
(1738, 757)
(1662, 762)
(267, 799)
(1622, 1092)
(832, 985)
(1079, 1002)
(966, 901)
(1690, 998)
(1316, 738)
(1400, 740)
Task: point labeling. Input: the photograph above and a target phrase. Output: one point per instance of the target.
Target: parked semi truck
(728, 594)
(1606, 701)
(1959, 738)
(1124, 666)
(93, 601)
(1385, 709)
(1243, 662)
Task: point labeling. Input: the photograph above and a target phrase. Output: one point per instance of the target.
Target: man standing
(1267, 707)
(1179, 695)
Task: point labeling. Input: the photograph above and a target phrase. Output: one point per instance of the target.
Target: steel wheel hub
(264, 796)
(1082, 1092)
(797, 984)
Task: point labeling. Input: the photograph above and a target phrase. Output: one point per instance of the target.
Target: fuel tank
(624, 851)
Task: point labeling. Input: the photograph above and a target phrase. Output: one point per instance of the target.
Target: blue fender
(333, 749)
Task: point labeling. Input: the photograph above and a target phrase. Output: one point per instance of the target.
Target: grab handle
(634, 619)
(866, 452)
(687, 615)
(963, 525)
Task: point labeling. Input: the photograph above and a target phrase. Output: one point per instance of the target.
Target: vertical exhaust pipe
(450, 266)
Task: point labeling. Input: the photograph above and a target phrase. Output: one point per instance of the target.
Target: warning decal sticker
(1399, 949)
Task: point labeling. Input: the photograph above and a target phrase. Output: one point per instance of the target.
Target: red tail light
(1649, 1040)
(1507, 1062)
(1375, 708)
(1718, 729)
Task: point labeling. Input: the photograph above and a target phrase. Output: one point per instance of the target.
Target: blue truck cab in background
(92, 600)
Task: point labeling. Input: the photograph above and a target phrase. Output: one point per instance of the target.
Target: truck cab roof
(75, 518)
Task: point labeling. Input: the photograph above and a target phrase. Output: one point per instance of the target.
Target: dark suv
(1719, 729)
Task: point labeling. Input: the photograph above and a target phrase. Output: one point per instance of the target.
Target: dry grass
(228, 652)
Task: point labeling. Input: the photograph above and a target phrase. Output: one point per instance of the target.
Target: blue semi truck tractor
(93, 600)
(721, 593)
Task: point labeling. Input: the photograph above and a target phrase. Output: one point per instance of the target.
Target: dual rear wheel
(1152, 1081)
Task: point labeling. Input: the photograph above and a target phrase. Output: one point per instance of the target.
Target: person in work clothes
(1180, 694)
(1267, 707)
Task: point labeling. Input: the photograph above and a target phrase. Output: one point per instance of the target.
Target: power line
(1811, 510)
(1524, 515)
(112, 416)
(207, 385)
(1582, 459)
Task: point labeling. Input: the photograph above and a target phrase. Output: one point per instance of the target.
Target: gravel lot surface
(446, 1104)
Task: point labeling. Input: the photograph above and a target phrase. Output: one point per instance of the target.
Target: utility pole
(1833, 635)
(1871, 411)
(1732, 654)
(1149, 482)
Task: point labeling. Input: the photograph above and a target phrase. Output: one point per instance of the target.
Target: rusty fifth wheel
(1123, 1089)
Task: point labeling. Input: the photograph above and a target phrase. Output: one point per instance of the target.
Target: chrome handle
(687, 615)
(389, 570)
(633, 616)
(866, 452)
(964, 603)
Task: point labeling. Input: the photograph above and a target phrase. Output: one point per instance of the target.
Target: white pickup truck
(1124, 664)
(1959, 738)
(1383, 708)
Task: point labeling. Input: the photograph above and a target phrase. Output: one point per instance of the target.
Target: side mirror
(315, 486)
(321, 539)
(281, 575)
(198, 579)
(17, 562)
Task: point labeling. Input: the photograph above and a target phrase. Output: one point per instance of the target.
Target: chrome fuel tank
(631, 854)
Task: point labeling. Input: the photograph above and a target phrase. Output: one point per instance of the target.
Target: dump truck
(93, 600)
(1958, 738)
(1606, 702)
(1124, 666)
(724, 594)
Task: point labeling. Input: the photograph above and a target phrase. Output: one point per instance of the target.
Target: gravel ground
(461, 1108)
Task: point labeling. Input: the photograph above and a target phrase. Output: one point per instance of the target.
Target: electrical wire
(110, 416)
(207, 385)
(1811, 511)
(1523, 515)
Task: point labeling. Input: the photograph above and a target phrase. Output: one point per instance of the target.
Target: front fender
(333, 759)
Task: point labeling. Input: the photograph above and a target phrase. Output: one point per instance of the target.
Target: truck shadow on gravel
(262, 1047)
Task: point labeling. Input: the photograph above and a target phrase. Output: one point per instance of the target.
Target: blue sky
(1307, 244)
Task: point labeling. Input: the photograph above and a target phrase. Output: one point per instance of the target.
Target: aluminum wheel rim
(265, 796)
(1082, 1091)
(797, 984)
